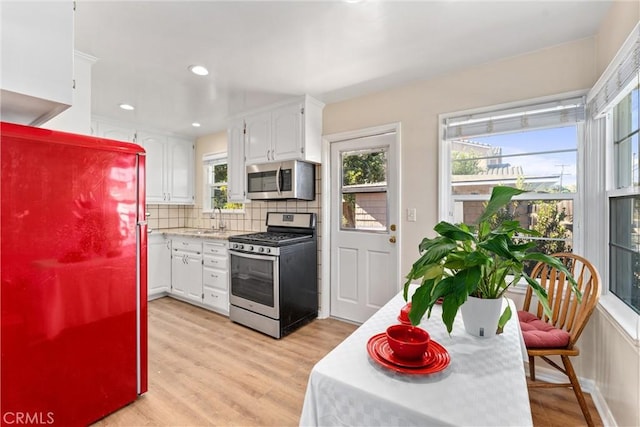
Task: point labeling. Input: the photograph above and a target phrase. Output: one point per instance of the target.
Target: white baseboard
(587, 385)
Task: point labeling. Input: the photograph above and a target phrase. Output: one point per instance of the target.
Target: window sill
(621, 316)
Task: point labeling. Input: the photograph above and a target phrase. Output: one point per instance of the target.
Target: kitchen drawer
(186, 245)
(216, 262)
(215, 278)
(216, 298)
(215, 248)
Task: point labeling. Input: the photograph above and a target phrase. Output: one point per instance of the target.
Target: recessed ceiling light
(127, 107)
(195, 124)
(198, 70)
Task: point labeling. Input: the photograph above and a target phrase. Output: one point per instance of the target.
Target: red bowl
(403, 317)
(408, 342)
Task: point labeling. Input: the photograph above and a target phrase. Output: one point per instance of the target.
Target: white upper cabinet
(36, 41)
(170, 167)
(77, 119)
(181, 158)
(155, 165)
(258, 147)
(236, 174)
(287, 131)
(113, 131)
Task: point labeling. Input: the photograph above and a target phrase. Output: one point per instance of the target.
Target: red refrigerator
(73, 252)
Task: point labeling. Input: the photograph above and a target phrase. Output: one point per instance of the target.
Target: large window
(532, 146)
(215, 184)
(624, 201)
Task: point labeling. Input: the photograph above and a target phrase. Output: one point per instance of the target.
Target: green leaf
(499, 245)
(449, 310)
(476, 258)
(420, 302)
(453, 232)
(500, 197)
(506, 315)
(436, 249)
(540, 292)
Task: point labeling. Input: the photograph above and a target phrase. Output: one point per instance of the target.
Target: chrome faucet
(221, 224)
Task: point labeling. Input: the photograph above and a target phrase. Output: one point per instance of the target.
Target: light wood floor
(206, 370)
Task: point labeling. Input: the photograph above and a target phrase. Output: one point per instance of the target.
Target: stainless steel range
(274, 275)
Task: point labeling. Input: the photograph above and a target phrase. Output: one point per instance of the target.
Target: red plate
(383, 349)
(435, 360)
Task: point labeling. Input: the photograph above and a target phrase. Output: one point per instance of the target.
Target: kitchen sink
(207, 231)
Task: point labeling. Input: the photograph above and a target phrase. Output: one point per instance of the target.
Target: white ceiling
(263, 51)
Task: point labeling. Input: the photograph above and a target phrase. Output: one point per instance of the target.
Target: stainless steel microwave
(293, 179)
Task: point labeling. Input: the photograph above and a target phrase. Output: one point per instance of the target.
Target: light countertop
(203, 233)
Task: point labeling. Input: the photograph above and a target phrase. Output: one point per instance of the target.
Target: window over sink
(215, 172)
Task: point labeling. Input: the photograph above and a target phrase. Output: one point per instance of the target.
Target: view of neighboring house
(477, 167)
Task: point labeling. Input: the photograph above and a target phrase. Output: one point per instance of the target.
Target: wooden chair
(557, 336)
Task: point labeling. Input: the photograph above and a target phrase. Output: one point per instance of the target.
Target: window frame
(207, 161)
(623, 314)
(446, 199)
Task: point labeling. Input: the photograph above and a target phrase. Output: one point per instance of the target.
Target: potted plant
(476, 261)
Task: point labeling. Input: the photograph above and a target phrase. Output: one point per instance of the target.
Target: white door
(364, 220)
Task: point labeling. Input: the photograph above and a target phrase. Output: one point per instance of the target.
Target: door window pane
(364, 190)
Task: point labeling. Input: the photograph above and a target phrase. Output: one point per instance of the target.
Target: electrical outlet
(411, 215)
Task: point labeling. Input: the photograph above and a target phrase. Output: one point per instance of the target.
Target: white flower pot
(480, 316)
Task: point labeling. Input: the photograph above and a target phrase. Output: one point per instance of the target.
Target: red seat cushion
(538, 334)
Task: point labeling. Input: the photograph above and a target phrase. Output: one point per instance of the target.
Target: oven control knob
(250, 248)
(240, 246)
(260, 249)
(267, 250)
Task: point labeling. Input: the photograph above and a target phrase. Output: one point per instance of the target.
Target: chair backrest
(567, 312)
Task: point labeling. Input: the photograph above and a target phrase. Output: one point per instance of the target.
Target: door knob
(392, 239)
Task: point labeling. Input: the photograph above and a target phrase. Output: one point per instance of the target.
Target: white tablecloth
(484, 384)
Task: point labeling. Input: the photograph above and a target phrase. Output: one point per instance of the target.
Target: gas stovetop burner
(272, 237)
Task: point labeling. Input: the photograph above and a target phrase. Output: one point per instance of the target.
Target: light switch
(411, 215)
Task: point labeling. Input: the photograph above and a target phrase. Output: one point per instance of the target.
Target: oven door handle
(252, 256)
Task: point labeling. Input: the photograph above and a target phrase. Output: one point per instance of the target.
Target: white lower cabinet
(215, 276)
(200, 272)
(158, 265)
(186, 269)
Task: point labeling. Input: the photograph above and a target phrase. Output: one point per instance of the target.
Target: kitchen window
(215, 185)
(532, 145)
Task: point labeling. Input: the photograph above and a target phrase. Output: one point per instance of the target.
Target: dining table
(482, 384)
